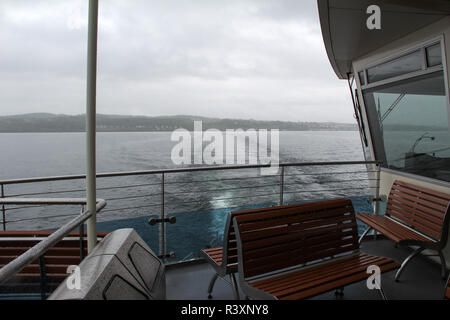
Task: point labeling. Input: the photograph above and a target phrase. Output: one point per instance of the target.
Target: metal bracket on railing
(169, 255)
(381, 198)
(154, 221)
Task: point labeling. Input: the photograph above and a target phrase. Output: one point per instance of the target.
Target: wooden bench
(298, 252)
(224, 259)
(57, 259)
(415, 216)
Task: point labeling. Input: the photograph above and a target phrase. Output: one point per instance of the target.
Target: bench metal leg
(211, 285)
(443, 265)
(406, 261)
(364, 234)
(382, 294)
(235, 287)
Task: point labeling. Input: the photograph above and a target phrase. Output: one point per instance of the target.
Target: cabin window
(410, 124)
(362, 78)
(434, 55)
(403, 65)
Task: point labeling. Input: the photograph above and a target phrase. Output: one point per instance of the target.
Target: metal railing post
(81, 236)
(162, 225)
(91, 89)
(43, 275)
(281, 185)
(377, 190)
(377, 196)
(3, 208)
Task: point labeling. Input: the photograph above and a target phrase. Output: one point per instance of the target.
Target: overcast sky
(249, 59)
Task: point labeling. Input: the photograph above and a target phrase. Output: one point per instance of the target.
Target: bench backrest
(420, 208)
(230, 251)
(284, 237)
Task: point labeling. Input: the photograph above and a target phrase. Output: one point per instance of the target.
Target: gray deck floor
(420, 280)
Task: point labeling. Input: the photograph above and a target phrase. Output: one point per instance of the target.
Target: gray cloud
(258, 59)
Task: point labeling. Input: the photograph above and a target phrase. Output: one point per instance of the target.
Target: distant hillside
(47, 122)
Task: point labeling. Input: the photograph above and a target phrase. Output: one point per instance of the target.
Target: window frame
(424, 70)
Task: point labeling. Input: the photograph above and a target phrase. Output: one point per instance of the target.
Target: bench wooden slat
(34, 269)
(59, 276)
(300, 283)
(289, 245)
(288, 209)
(415, 224)
(418, 199)
(433, 193)
(309, 228)
(53, 251)
(30, 243)
(414, 209)
(42, 233)
(310, 274)
(289, 219)
(337, 283)
(296, 261)
(63, 260)
(414, 217)
(415, 212)
(278, 254)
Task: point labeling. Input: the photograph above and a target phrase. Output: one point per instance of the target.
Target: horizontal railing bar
(130, 186)
(263, 195)
(43, 201)
(39, 249)
(326, 173)
(134, 197)
(220, 199)
(44, 193)
(137, 207)
(327, 190)
(83, 190)
(215, 208)
(25, 207)
(41, 217)
(224, 179)
(329, 181)
(260, 186)
(224, 189)
(260, 177)
(181, 170)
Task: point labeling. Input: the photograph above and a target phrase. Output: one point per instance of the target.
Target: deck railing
(166, 194)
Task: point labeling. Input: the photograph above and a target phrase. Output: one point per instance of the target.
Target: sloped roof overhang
(347, 37)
